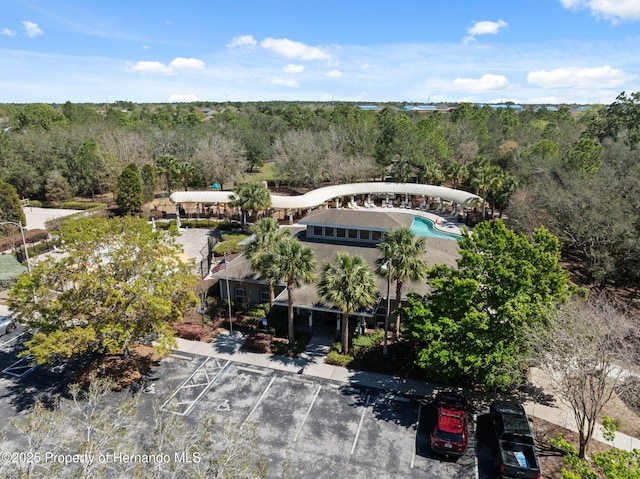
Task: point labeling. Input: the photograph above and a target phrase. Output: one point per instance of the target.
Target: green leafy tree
(473, 324)
(40, 116)
(402, 260)
(56, 187)
(149, 179)
(251, 198)
(119, 282)
(10, 207)
(348, 284)
(267, 232)
(293, 263)
(129, 194)
(585, 157)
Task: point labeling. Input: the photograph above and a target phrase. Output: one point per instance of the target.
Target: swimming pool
(423, 227)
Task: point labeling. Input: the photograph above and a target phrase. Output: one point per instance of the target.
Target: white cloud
(291, 68)
(178, 97)
(7, 32)
(614, 10)
(246, 41)
(32, 30)
(572, 77)
(172, 68)
(187, 63)
(334, 74)
(290, 49)
(485, 83)
(289, 82)
(484, 27)
(151, 67)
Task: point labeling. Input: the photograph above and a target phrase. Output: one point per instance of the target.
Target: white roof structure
(320, 196)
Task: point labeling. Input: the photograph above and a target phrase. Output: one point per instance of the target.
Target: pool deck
(439, 223)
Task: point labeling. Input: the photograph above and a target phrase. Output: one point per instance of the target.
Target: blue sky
(526, 51)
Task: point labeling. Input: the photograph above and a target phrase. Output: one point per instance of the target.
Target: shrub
(227, 247)
(337, 359)
(258, 343)
(362, 342)
(192, 332)
(259, 310)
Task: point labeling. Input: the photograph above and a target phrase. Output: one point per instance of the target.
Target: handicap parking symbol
(224, 406)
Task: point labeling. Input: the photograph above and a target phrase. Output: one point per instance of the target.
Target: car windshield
(448, 436)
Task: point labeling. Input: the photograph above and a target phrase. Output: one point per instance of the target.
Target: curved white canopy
(320, 196)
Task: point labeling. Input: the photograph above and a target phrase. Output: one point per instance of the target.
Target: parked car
(7, 325)
(451, 429)
(516, 455)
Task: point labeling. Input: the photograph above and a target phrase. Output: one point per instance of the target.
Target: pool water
(423, 227)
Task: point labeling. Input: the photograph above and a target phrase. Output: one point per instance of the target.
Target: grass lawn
(229, 244)
(265, 173)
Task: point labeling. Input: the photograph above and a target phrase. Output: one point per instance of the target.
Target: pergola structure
(324, 196)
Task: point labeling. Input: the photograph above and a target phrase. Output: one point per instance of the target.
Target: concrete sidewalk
(311, 363)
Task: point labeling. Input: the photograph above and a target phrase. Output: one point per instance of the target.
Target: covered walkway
(326, 195)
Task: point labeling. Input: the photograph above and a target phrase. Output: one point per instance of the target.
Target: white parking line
(255, 406)
(13, 339)
(413, 456)
(307, 413)
(194, 382)
(355, 440)
(252, 370)
(20, 368)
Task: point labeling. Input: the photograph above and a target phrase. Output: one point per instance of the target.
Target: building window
(239, 294)
(353, 234)
(364, 235)
(329, 231)
(376, 235)
(317, 231)
(264, 295)
(341, 232)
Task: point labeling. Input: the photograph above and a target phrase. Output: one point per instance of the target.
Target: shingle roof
(373, 220)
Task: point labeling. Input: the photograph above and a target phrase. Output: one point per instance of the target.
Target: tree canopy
(348, 284)
(10, 207)
(401, 261)
(117, 282)
(129, 190)
(473, 324)
(294, 263)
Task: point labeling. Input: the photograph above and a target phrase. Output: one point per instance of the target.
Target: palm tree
(168, 168)
(291, 261)
(251, 198)
(349, 285)
(457, 173)
(267, 232)
(401, 261)
(484, 179)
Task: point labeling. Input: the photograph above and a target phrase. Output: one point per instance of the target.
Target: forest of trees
(574, 172)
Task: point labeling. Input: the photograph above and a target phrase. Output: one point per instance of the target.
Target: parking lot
(323, 428)
(327, 428)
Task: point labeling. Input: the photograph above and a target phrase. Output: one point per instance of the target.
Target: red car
(450, 432)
